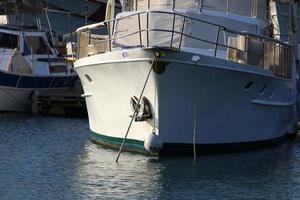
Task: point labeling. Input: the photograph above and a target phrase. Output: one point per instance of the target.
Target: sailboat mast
(268, 10)
(86, 11)
(292, 21)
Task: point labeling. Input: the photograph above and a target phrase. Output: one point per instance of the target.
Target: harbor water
(53, 158)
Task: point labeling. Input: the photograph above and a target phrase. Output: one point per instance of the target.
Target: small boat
(62, 17)
(188, 76)
(29, 64)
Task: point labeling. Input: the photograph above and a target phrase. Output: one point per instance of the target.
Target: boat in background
(280, 12)
(63, 17)
(55, 18)
(29, 64)
(188, 77)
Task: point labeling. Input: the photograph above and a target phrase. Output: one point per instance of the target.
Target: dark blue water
(52, 158)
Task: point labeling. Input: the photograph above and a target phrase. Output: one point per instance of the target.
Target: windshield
(131, 5)
(36, 45)
(8, 41)
(251, 8)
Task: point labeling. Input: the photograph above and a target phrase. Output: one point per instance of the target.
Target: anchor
(143, 109)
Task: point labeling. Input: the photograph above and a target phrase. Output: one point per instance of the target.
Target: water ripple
(52, 158)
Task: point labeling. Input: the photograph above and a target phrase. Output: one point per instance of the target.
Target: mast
(268, 13)
(292, 21)
(86, 11)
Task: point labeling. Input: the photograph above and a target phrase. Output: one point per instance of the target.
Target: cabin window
(131, 5)
(8, 41)
(36, 45)
(231, 6)
(251, 8)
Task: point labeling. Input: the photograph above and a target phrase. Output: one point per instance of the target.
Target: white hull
(20, 99)
(14, 99)
(207, 94)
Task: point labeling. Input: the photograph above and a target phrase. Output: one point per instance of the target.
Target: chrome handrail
(266, 41)
(104, 24)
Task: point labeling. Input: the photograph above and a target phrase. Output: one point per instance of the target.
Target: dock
(69, 103)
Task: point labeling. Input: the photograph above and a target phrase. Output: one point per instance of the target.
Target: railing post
(201, 5)
(254, 7)
(147, 29)
(173, 6)
(274, 49)
(286, 64)
(280, 66)
(288, 67)
(109, 36)
(182, 29)
(136, 5)
(89, 36)
(263, 55)
(227, 6)
(140, 31)
(251, 9)
(217, 42)
(79, 46)
(174, 17)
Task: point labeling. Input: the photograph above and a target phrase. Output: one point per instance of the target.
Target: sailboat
(63, 17)
(187, 76)
(29, 64)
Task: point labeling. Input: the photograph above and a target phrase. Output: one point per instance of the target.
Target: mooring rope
(154, 109)
(195, 128)
(136, 109)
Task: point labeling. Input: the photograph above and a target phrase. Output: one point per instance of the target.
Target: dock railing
(241, 47)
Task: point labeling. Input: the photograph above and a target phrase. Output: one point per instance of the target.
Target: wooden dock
(59, 103)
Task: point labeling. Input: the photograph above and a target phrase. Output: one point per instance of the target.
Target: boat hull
(195, 100)
(16, 91)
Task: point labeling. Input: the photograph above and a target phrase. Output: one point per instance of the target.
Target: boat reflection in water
(270, 173)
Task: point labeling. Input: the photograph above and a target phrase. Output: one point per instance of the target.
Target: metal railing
(227, 44)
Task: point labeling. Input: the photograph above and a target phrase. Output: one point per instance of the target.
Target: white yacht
(187, 76)
(29, 64)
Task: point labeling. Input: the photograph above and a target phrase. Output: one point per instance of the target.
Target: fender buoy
(153, 143)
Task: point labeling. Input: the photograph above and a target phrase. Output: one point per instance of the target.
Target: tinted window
(8, 41)
(38, 45)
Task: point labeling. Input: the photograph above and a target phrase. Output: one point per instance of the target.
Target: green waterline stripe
(130, 143)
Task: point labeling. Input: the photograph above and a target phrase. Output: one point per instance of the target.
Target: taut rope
(136, 110)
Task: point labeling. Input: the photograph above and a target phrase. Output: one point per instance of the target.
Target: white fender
(153, 143)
